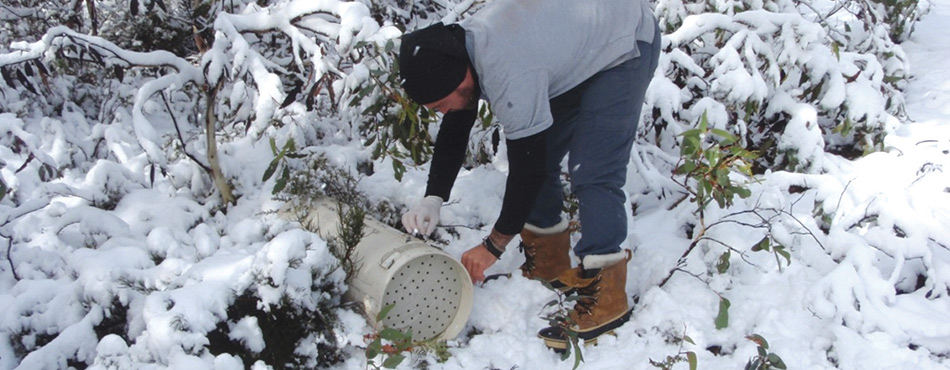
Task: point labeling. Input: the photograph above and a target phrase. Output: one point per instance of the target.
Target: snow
(860, 234)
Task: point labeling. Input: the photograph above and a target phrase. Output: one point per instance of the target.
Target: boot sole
(560, 346)
(555, 338)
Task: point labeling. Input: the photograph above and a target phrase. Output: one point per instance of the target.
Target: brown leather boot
(601, 283)
(546, 251)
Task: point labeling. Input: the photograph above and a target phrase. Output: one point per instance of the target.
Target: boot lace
(529, 255)
(588, 295)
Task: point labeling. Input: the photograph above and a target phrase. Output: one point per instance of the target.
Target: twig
(939, 243)
(9, 257)
(462, 226)
(184, 146)
(822, 246)
(686, 253)
(740, 253)
(695, 275)
(840, 197)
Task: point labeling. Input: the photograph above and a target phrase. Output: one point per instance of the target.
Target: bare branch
(9, 256)
(184, 145)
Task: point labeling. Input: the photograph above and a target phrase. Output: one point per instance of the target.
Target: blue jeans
(596, 122)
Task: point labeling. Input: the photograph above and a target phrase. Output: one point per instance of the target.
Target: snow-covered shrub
(91, 128)
(22, 19)
(291, 334)
(901, 15)
(141, 25)
(772, 76)
(394, 125)
(242, 78)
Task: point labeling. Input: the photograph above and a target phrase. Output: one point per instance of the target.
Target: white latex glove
(423, 218)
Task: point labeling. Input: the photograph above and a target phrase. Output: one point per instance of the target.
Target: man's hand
(479, 259)
(476, 261)
(423, 218)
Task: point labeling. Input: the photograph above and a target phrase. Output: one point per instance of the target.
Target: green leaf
(722, 319)
(691, 358)
(728, 137)
(273, 145)
(776, 361)
(3, 189)
(393, 335)
(712, 156)
(754, 364)
(369, 140)
(393, 361)
(704, 122)
(578, 356)
(384, 312)
(694, 132)
(762, 245)
(758, 339)
(722, 265)
(270, 169)
(690, 146)
(784, 253)
(566, 354)
(576, 297)
(281, 182)
(743, 192)
(289, 146)
(399, 170)
(686, 167)
(689, 340)
(374, 348)
(707, 187)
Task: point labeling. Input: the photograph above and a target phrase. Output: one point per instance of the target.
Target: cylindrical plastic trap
(430, 291)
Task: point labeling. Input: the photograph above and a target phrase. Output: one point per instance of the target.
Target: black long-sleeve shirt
(526, 159)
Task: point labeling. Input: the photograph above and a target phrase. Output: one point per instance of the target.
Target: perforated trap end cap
(426, 293)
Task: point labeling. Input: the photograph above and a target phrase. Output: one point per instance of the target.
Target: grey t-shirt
(529, 51)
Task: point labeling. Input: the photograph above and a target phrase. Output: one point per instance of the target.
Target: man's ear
(468, 80)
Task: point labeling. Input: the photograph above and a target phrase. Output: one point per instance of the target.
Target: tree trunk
(216, 175)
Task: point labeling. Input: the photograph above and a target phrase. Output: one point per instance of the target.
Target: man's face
(464, 97)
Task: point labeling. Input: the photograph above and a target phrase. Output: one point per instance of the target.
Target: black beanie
(433, 61)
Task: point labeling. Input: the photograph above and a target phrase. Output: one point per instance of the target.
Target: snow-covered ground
(848, 296)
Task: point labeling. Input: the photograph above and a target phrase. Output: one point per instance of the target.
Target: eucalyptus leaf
(384, 312)
(776, 361)
(722, 319)
(270, 169)
(393, 361)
